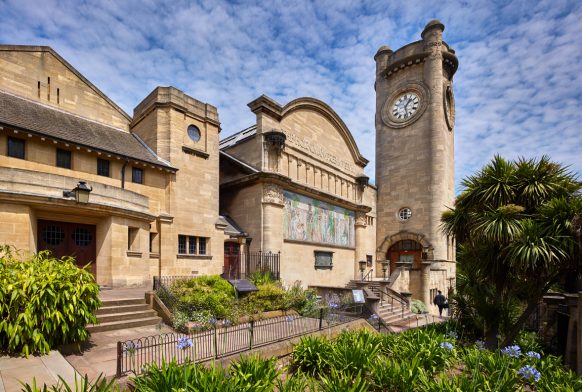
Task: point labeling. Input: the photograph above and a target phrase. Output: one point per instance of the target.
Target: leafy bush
(312, 355)
(81, 385)
(44, 302)
(211, 293)
(261, 277)
(417, 306)
(270, 296)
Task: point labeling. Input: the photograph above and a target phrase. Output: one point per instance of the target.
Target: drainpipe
(123, 173)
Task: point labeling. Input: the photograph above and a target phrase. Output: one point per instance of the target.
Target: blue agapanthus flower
(447, 346)
(452, 334)
(184, 342)
(529, 373)
(511, 351)
(212, 321)
(374, 317)
(131, 347)
(533, 354)
(289, 318)
(227, 323)
(333, 305)
(480, 344)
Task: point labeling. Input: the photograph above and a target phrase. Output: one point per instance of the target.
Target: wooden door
(69, 239)
(231, 260)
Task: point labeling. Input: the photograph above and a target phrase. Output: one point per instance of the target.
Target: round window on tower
(405, 214)
(194, 133)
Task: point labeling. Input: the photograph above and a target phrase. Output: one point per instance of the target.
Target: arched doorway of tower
(405, 253)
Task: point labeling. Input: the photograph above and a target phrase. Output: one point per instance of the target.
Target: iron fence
(241, 265)
(133, 356)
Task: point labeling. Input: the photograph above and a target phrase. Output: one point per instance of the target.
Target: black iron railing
(242, 265)
(133, 356)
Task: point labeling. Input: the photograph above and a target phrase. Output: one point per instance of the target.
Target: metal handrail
(368, 276)
(394, 296)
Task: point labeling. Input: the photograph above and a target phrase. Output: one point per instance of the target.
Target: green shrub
(211, 293)
(312, 355)
(254, 374)
(417, 306)
(261, 277)
(44, 302)
(81, 385)
(270, 296)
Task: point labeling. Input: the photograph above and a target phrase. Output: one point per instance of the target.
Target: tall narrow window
(16, 148)
(192, 245)
(201, 245)
(132, 238)
(137, 175)
(103, 167)
(63, 158)
(182, 244)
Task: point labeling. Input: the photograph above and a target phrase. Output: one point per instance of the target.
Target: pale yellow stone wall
(15, 225)
(244, 207)
(23, 68)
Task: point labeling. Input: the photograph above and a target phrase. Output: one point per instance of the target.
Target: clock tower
(415, 113)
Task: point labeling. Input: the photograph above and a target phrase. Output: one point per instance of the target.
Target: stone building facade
(153, 204)
(415, 162)
(168, 198)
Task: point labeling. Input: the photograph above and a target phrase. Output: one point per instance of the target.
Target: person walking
(440, 301)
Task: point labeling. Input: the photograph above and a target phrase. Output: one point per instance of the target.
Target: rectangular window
(201, 246)
(63, 158)
(16, 148)
(323, 260)
(137, 175)
(192, 245)
(182, 240)
(102, 167)
(154, 248)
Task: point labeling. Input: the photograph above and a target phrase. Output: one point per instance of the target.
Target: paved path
(45, 369)
(100, 354)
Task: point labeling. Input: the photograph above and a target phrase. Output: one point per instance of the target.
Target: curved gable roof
(270, 106)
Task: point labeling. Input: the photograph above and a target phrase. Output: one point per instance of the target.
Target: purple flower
(533, 354)
(447, 346)
(529, 373)
(511, 351)
(212, 321)
(453, 334)
(184, 342)
(480, 344)
(333, 305)
(289, 318)
(227, 323)
(131, 347)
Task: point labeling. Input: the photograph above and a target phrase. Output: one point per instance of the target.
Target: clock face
(405, 106)
(449, 101)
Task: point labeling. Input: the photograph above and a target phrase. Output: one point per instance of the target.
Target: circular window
(404, 214)
(82, 236)
(53, 235)
(194, 133)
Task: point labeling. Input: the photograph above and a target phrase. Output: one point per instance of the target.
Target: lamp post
(362, 264)
(385, 267)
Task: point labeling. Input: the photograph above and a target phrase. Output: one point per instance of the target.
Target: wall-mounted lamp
(80, 193)
(276, 139)
(362, 182)
(362, 264)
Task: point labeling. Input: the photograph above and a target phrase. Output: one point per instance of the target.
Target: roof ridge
(139, 139)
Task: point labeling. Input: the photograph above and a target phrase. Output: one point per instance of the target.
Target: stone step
(107, 318)
(122, 309)
(121, 302)
(110, 326)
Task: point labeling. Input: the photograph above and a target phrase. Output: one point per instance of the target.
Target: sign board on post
(358, 296)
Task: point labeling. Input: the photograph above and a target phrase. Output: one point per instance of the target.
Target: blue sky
(518, 88)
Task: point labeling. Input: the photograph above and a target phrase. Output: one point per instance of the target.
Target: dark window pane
(137, 175)
(201, 246)
(181, 244)
(192, 245)
(103, 167)
(63, 158)
(16, 148)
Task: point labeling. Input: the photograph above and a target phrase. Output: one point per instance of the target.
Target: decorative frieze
(272, 194)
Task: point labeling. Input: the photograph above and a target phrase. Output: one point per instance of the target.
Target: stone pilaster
(425, 283)
(360, 253)
(272, 232)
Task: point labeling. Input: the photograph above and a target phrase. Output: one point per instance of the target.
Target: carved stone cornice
(272, 194)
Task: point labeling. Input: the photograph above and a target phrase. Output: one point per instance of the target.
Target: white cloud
(517, 88)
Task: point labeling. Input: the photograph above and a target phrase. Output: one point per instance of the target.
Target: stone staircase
(123, 313)
(392, 310)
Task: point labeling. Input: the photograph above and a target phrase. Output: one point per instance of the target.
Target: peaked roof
(34, 117)
(48, 49)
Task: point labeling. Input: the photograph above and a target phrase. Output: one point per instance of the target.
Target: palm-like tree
(515, 222)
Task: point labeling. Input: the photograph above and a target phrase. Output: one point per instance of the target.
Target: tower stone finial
(433, 24)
